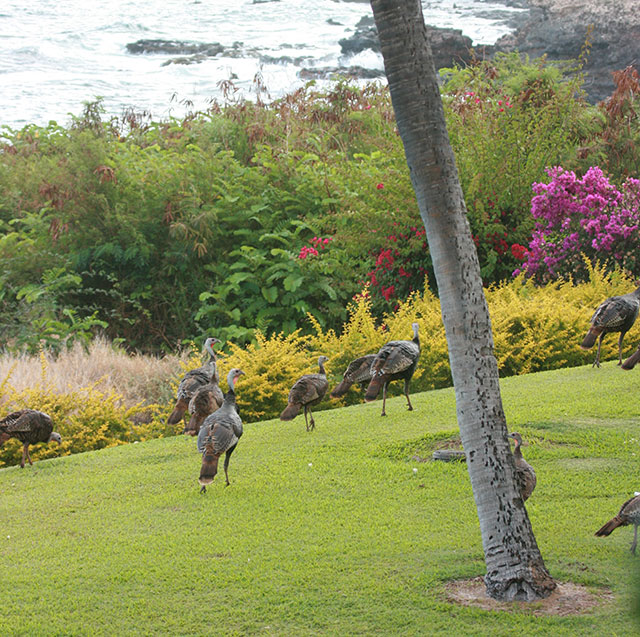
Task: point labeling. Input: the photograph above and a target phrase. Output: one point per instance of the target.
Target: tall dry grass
(136, 377)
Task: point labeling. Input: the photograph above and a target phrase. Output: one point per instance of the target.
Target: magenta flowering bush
(578, 218)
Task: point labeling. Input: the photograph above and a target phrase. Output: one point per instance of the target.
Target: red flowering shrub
(399, 267)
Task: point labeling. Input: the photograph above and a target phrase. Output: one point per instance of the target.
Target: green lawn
(323, 533)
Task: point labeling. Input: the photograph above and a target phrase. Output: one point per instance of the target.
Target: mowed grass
(342, 531)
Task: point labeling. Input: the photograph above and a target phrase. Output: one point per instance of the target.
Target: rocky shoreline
(557, 29)
(560, 28)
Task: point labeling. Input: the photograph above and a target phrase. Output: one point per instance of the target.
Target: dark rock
(449, 46)
(333, 72)
(286, 59)
(560, 28)
(363, 38)
(174, 47)
(190, 52)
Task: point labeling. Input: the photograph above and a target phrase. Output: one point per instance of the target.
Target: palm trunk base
(535, 586)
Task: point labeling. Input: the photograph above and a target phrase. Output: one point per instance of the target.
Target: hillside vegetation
(349, 530)
(250, 216)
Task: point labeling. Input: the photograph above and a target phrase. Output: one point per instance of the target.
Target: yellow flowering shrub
(85, 417)
(534, 329)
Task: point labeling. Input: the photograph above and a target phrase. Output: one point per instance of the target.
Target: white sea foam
(57, 54)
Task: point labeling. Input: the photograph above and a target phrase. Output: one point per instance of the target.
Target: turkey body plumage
(525, 474)
(220, 434)
(615, 314)
(30, 427)
(396, 360)
(192, 381)
(358, 371)
(206, 399)
(629, 514)
(306, 392)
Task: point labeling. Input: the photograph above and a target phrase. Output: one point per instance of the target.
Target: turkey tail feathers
(612, 524)
(631, 362)
(290, 411)
(193, 428)
(209, 468)
(341, 389)
(178, 412)
(590, 338)
(373, 388)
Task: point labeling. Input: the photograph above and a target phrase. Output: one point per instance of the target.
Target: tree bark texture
(515, 569)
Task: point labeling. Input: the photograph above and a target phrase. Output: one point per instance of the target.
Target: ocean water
(57, 55)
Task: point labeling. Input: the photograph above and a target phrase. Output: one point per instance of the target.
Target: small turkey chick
(525, 474)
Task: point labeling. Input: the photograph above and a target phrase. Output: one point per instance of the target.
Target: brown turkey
(394, 361)
(206, 399)
(629, 514)
(30, 427)
(306, 392)
(220, 434)
(358, 371)
(525, 475)
(191, 381)
(615, 314)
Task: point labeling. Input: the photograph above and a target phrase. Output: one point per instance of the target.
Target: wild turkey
(219, 434)
(615, 314)
(30, 427)
(191, 381)
(358, 371)
(632, 361)
(525, 475)
(307, 391)
(395, 360)
(206, 399)
(629, 514)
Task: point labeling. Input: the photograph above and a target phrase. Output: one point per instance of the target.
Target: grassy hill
(343, 531)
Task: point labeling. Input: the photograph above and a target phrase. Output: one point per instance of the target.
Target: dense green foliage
(158, 232)
(330, 533)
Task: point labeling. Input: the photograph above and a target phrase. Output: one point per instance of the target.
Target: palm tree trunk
(515, 569)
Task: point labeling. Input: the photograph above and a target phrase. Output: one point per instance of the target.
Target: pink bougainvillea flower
(380, 186)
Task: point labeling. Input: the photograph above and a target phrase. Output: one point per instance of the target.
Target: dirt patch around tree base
(567, 599)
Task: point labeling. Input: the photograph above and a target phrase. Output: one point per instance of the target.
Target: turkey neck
(517, 452)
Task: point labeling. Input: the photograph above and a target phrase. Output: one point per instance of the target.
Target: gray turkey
(629, 514)
(525, 475)
(306, 392)
(30, 427)
(219, 434)
(396, 360)
(615, 314)
(191, 381)
(206, 399)
(358, 371)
